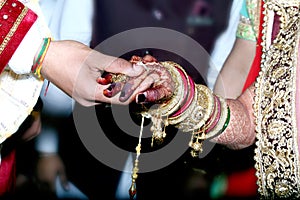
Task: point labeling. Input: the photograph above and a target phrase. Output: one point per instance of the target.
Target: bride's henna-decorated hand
(156, 81)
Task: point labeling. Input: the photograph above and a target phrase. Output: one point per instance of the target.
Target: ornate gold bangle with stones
(214, 118)
(202, 109)
(201, 112)
(216, 124)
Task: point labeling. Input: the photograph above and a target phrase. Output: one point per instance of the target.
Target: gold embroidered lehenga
(277, 152)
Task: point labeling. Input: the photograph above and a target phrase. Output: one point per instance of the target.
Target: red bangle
(189, 100)
(185, 83)
(218, 114)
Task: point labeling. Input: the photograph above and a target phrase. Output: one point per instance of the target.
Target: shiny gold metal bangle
(223, 117)
(186, 113)
(201, 112)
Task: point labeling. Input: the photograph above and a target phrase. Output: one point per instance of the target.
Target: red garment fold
(16, 20)
(8, 173)
(242, 184)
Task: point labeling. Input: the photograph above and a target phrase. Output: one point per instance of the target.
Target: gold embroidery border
(13, 29)
(2, 4)
(276, 154)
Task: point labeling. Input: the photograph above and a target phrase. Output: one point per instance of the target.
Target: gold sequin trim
(276, 154)
(13, 29)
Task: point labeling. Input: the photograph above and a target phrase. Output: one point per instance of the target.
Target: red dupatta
(16, 20)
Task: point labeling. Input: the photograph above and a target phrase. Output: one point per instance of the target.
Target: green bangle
(227, 120)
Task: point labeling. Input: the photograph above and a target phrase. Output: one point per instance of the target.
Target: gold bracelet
(189, 102)
(201, 112)
(186, 113)
(221, 122)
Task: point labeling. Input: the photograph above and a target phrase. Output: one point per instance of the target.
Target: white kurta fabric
(19, 89)
(21, 61)
(67, 20)
(224, 44)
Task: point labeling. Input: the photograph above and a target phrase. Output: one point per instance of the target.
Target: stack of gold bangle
(192, 108)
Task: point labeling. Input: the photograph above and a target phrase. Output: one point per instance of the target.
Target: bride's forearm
(240, 132)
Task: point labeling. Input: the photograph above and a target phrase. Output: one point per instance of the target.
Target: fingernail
(111, 87)
(141, 98)
(122, 94)
(108, 77)
(108, 91)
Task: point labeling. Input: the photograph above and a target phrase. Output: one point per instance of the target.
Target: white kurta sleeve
(23, 58)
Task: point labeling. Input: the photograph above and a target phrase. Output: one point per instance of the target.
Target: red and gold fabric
(16, 20)
(21, 35)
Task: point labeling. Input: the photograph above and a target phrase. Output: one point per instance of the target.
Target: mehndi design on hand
(181, 102)
(154, 75)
